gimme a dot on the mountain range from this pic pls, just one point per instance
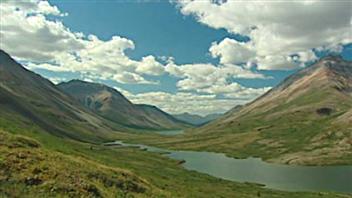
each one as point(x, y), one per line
point(306, 119)
point(30, 100)
point(112, 105)
point(196, 120)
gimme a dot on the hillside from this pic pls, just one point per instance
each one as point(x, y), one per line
point(306, 119)
point(313, 89)
point(112, 105)
point(196, 120)
point(27, 100)
point(45, 173)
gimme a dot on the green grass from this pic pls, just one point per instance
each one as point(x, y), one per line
point(291, 127)
point(38, 164)
point(102, 169)
point(28, 169)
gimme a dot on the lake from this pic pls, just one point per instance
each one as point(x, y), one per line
point(274, 176)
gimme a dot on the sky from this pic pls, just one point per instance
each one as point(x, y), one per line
point(201, 57)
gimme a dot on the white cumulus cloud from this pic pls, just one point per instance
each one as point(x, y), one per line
point(181, 102)
point(275, 28)
point(208, 78)
point(232, 51)
point(28, 35)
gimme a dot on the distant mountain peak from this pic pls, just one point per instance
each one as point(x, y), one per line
point(112, 105)
point(89, 87)
point(330, 63)
point(338, 65)
point(85, 83)
point(302, 120)
point(325, 70)
point(196, 119)
point(332, 58)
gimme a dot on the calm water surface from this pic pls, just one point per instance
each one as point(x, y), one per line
point(275, 176)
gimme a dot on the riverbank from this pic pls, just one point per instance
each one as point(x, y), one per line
point(164, 177)
point(254, 170)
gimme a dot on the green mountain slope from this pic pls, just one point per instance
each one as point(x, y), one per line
point(112, 105)
point(304, 120)
point(326, 85)
point(28, 99)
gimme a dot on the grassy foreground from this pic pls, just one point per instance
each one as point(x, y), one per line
point(36, 164)
point(28, 169)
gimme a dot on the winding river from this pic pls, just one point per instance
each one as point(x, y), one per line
point(274, 176)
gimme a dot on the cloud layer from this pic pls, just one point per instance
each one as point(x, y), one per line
point(277, 29)
point(29, 35)
point(181, 102)
point(207, 78)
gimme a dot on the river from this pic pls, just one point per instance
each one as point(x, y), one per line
point(274, 176)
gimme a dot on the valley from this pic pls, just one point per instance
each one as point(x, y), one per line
point(284, 125)
point(175, 99)
point(44, 131)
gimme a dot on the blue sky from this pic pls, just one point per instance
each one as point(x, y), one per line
point(235, 52)
point(158, 29)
